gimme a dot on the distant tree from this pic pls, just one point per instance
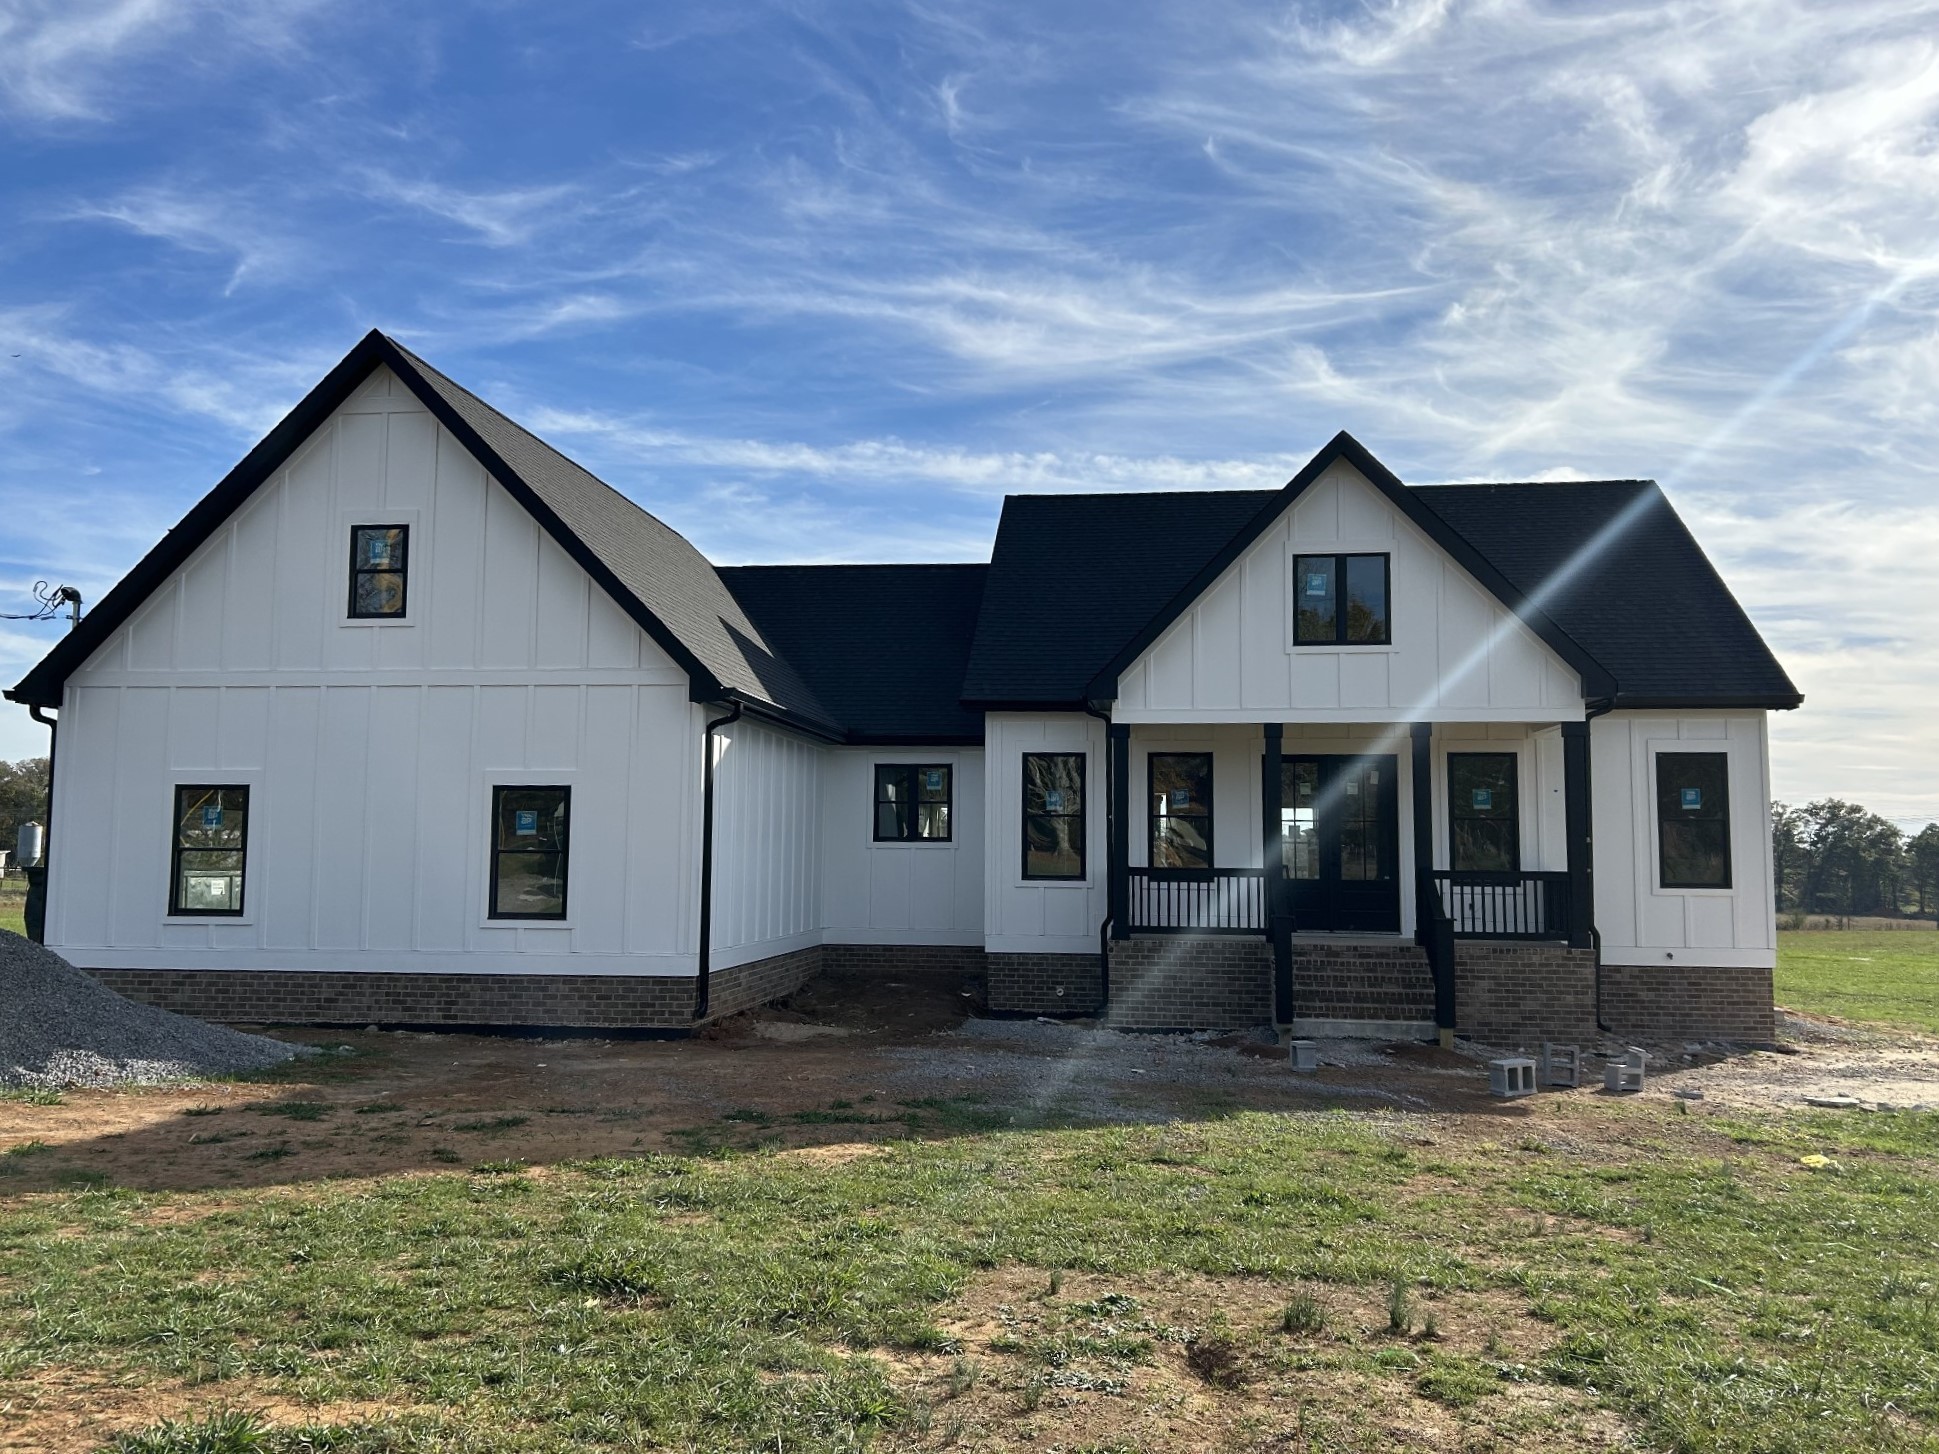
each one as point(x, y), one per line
point(1787, 856)
point(1922, 859)
point(23, 797)
point(1853, 860)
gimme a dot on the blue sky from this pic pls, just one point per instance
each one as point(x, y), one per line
point(823, 282)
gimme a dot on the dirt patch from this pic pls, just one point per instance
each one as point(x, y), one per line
point(73, 1411)
point(1882, 1070)
point(1166, 1363)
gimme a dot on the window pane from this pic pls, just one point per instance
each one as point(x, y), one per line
point(932, 820)
point(1366, 598)
point(1315, 598)
point(1053, 782)
point(209, 881)
point(1053, 846)
point(379, 593)
point(1484, 846)
point(380, 547)
point(532, 819)
point(1180, 843)
point(932, 784)
point(211, 817)
point(891, 821)
point(1181, 782)
point(531, 885)
point(1693, 814)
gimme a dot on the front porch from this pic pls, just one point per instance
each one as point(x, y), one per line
point(1374, 890)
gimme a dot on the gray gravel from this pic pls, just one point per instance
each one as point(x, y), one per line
point(1104, 1074)
point(60, 1028)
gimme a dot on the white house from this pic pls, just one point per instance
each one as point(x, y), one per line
point(412, 720)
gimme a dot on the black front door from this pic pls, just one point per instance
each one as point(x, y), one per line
point(1339, 824)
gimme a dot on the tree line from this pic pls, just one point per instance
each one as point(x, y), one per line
point(1834, 857)
point(1831, 857)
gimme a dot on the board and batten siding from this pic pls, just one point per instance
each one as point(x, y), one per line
point(1024, 916)
point(767, 872)
point(1456, 651)
point(370, 749)
point(1642, 922)
point(900, 893)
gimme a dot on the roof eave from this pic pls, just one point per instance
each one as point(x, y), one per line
point(1754, 701)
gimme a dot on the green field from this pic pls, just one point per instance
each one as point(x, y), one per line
point(1884, 977)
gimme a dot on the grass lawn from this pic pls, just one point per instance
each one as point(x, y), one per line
point(1888, 977)
point(1587, 1274)
point(13, 911)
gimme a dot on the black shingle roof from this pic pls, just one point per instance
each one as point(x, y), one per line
point(1646, 602)
point(884, 646)
point(1075, 578)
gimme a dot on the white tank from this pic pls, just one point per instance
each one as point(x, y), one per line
point(27, 845)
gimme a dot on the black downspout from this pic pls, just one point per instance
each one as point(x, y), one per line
point(1110, 846)
point(705, 957)
point(36, 906)
point(1595, 710)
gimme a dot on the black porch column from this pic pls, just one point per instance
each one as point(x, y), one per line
point(1279, 920)
point(1578, 832)
point(1423, 761)
point(1119, 856)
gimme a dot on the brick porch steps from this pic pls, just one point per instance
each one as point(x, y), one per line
point(1382, 982)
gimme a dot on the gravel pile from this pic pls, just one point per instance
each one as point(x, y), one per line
point(60, 1028)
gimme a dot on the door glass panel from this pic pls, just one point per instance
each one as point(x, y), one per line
point(1363, 844)
point(1299, 828)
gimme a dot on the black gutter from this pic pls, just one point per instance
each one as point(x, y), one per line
point(1110, 842)
point(1593, 710)
point(36, 906)
point(701, 985)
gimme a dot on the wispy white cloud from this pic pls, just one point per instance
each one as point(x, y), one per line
point(498, 217)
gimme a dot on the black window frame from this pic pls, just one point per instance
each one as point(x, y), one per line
point(1082, 817)
point(1457, 814)
point(177, 848)
point(914, 835)
point(403, 574)
point(1339, 561)
point(1153, 817)
point(1721, 818)
point(498, 852)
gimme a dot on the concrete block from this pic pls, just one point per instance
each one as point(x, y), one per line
point(1303, 1055)
point(1561, 1064)
point(1511, 1076)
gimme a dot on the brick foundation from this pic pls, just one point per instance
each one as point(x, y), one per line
point(588, 1001)
point(1387, 982)
point(1688, 1002)
point(1045, 984)
point(1190, 982)
point(1522, 993)
point(963, 959)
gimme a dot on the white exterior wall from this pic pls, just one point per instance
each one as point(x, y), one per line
point(1457, 652)
point(900, 893)
point(1035, 916)
point(767, 870)
point(369, 749)
point(1641, 922)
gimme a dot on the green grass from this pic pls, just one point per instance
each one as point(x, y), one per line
point(1686, 1271)
point(13, 912)
point(1884, 977)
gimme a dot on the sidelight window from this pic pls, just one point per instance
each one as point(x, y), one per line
point(1484, 813)
point(1181, 809)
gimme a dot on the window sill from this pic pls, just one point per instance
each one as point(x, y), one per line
point(912, 843)
point(1344, 648)
point(177, 921)
point(367, 622)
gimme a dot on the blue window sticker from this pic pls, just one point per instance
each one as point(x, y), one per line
point(1181, 799)
point(933, 780)
point(1054, 800)
point(1692, 798)
point(1484, 799)
point(525, 822)
point(1316, 583)
point(212, 816)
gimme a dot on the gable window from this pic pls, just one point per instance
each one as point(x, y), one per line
point(379, 568)
point(1053, 815)
point(1693, 819)
point(1340, 600)
point(211, 849)
point(912, 802)
point(1181, 809)
point(530, 847)
point(1484, 813)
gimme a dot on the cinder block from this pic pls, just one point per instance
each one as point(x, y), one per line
point(1511, 1076)
point(1561, 1064)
